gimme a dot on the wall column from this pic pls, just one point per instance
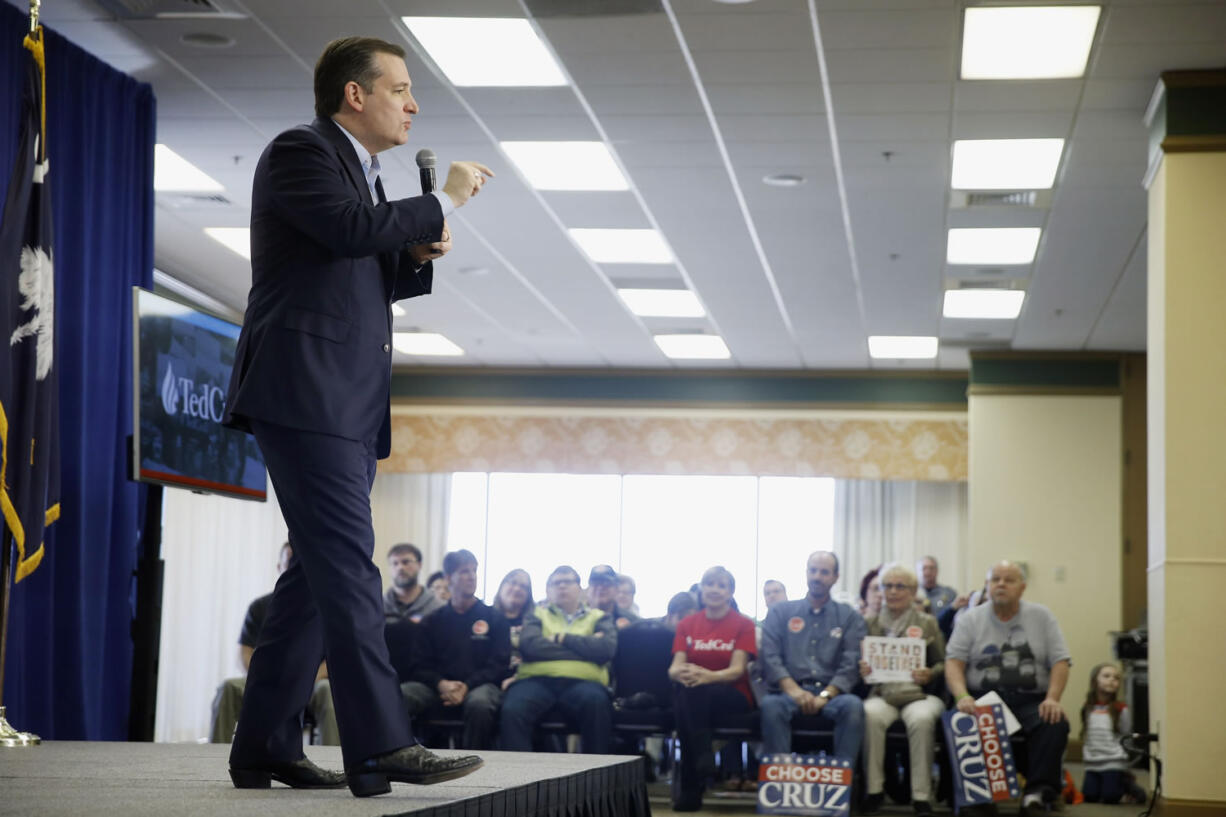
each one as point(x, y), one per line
point(1187, 436)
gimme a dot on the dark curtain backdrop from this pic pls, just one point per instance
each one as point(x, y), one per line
point(68, 667)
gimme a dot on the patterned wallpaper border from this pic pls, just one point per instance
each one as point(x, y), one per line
point(850, 447)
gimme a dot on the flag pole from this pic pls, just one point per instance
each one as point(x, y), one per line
point(10, 737)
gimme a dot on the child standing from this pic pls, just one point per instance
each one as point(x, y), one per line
point(1104, 720)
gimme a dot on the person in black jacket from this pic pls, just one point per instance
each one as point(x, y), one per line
point(464, 655)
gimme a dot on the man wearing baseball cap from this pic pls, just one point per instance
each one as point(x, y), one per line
point(602, 585)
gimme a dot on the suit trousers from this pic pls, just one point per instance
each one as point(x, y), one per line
point(327, 604)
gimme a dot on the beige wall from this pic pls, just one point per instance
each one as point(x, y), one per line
point(1187, 460)
point(1045, 476)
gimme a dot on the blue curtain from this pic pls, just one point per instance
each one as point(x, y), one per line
point(68, 668)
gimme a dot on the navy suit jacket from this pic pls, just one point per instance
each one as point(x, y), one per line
point(314, 353)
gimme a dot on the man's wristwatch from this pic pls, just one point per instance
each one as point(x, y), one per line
point(825, 693)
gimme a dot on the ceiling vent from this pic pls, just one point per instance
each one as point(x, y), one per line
point(170, 9)
point(592, 8)
point(965, 199)
point(193, 201)
point(976, 340)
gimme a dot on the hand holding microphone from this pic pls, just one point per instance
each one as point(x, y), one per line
point(464, 179)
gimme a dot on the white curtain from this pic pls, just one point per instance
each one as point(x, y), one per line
point(897, 521)
point(222, 553)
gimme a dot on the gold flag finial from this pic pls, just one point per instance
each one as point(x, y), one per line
point(35, 5)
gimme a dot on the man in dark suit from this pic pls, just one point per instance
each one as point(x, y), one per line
point(311, 380)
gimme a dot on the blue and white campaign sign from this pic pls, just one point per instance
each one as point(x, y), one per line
point(982, 757)
point(813, 785)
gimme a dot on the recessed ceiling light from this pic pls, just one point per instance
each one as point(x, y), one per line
point(425, 343)
point(1006, 164)
point(616, 246)
point(784, 180)
point(662, 303)
point(992, 245)
point(567, 165)
point(487, 51)
point(1027, 42)
point(896, 347)
point(693, 347)
point(235, 239)
point(173, 173)
point(398, 311)
point(983, 303)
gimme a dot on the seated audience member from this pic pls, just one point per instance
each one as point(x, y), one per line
point(514, 600)
point(602, 595)
point(1104, 720)
point(229, 698)
point(566, 648)
point(465, 655)
point(679, 606)
point(773, 592)
point(437, 584)
point(626, 588)
point(810, 654)
point(912, 700)
point(870, 594)
point(949, 617)
point(939, 596)
point(710, 652)
point(1015, 648)
point(406, 598)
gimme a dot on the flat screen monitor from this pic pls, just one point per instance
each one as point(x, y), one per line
point(182, 369)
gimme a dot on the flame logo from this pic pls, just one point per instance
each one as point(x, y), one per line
point(170, 397)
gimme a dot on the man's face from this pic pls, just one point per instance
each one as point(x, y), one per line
point(1005, 585)
point(563, 590)
point(821, 574)
point(441, 588)
point(388, 109)
point(405, 567)
point(463, 582)
point(602, 594)
point(773, 593)
point(928, 573)
point(625, 596)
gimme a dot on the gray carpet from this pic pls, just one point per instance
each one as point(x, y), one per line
point(147, 779)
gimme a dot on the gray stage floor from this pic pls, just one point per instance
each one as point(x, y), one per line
point(148, 779)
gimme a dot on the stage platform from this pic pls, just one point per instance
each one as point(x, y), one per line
point(157, 779)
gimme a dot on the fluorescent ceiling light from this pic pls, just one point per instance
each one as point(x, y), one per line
point(236, 239)
point(1030, 42)
point(1006, 164)
point(398, 311)
point(662, 303)
point(567, 165)
point(613, 246)
point(487, 51)
point(693, 347)
point(992, 245)
point(983, 303)
point(895, 347)
point(173, 173)
point(425, 343)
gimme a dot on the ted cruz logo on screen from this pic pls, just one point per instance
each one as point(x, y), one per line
point(208, 402)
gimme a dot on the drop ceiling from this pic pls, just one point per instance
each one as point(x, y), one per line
point(699, 101)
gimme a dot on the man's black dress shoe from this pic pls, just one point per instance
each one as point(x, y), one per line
point(298, 774)
point(412, 764)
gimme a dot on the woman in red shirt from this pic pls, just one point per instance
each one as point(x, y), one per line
point(710, 652)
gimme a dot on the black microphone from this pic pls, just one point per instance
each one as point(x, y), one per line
point(425, 164)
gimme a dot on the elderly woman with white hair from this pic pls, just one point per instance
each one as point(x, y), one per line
point(911, 700)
